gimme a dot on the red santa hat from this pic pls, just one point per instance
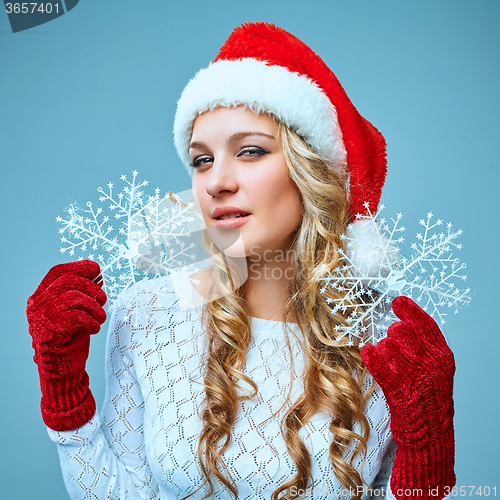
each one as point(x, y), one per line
point(271, 71)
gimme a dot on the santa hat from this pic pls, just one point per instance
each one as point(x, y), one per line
point(269, 70)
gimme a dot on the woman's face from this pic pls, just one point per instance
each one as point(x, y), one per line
point(239, 167)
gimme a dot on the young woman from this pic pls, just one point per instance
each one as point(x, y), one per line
point(251, 394)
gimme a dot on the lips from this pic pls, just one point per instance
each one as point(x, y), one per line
point(231, 216)
point(227, 212)
point(232, 222)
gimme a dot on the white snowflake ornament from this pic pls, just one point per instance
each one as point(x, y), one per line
point(132, 235)
point(373, 272)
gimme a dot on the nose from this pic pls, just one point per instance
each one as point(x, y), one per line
point(221, 178)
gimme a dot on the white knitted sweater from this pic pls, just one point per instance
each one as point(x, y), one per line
point(143, 445)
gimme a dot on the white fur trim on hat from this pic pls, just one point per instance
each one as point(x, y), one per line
point(292, 98)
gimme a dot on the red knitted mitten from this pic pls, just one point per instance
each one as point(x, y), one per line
point(414, 367)
point(64, 311)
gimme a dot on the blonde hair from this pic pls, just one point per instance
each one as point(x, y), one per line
point(335, 372)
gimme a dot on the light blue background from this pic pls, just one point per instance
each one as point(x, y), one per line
point(92, 94)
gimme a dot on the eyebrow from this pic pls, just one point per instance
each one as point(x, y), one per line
point(235, 137)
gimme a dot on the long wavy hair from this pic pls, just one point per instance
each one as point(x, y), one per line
point(333, 380)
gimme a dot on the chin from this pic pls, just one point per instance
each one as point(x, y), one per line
point(229, 242)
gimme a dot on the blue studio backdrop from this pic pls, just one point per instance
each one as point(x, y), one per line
point(91, 95)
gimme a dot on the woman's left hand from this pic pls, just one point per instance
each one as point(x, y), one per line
point(414, 367)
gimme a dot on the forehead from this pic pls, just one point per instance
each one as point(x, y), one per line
point(224, 121)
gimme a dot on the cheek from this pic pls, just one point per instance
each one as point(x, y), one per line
point(293, 204)
point(201, 198)
point(282, 200)
point(293, 208)
point(195, 193)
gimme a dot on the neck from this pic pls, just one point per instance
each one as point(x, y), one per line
point(267, 287)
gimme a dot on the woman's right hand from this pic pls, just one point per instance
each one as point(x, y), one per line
point(66, 308)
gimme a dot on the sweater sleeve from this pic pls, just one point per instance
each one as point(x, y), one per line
point(106, 458)
point(380, 484)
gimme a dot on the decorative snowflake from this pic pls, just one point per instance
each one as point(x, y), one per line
point(366, 292)
point(138, 237)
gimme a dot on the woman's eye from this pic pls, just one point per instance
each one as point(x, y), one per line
point(252, 152)
point(201, 160)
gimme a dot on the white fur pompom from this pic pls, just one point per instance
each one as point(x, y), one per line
point(368, 249)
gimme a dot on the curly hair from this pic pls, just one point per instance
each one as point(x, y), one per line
point(333, 382)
